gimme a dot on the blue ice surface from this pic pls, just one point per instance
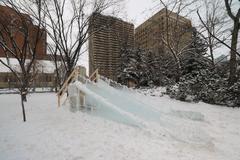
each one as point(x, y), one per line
point(125, 106)
point(124, 100)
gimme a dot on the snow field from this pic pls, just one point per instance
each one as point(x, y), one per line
point(58, 134)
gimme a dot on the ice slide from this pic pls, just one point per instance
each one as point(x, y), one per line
point(124, 105)
point(118, 104)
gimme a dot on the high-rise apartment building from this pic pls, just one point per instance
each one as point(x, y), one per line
point(163, 27)
point(107, 36)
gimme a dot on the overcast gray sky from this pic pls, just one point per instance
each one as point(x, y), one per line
point(139, 10)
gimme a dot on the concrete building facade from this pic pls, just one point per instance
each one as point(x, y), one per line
point(107, 36)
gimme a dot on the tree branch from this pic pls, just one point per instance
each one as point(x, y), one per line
point(215, 36)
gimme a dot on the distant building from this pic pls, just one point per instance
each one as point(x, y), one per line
point(9, 17)
point(107, 36)
point(150, 34)
point(45, 76)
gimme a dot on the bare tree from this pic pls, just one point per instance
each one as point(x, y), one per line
point(177, 31)
point(67, 24)
point(19, 39)
point(215, 20)
point(234, 41)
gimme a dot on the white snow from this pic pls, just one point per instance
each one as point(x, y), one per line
point(43, 65)
point(185, 131)
point(156, 91)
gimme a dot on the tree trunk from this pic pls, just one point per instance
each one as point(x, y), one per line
point(57, 81)
point(233, 56)
point(56, 84)
point(23, 107)
point(24, 97)
point(179, 69)
point(211, 54)
point(24, 94)
point(212, 57)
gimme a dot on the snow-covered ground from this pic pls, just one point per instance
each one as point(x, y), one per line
point(185, 132)
point(15, 90)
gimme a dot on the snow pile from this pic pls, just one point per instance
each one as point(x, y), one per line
point(183, 131)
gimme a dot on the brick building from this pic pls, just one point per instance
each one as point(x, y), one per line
point(108, 36)
point(14, 22)
point(11, 21)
